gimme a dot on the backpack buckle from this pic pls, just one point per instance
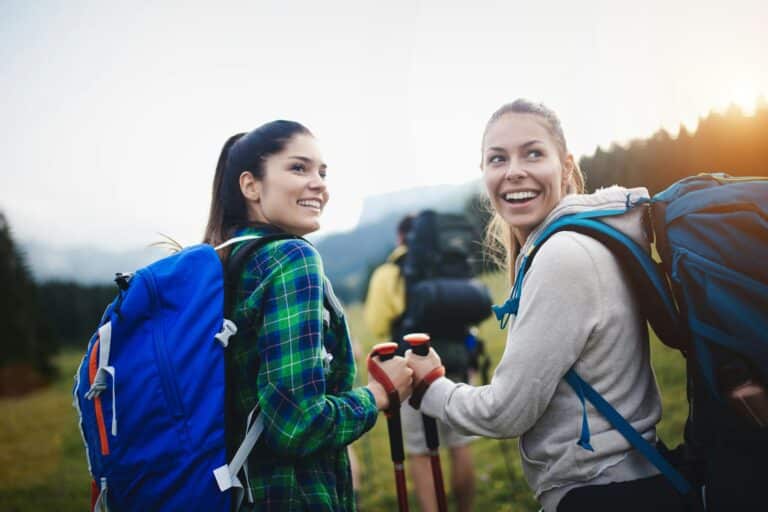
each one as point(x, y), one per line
point(123, 280)
point(228, 329)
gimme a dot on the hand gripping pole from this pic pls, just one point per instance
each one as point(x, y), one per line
point(419, 343)
point(383, 352)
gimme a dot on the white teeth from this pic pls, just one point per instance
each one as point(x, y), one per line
point(312, 203)
point(518, 196)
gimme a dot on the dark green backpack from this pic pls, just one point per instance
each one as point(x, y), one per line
point(443, 298)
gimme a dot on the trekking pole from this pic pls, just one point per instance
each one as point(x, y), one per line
point(419, 343)
point(385, 351)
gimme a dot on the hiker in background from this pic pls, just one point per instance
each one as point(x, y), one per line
point(385, 304)
point(292, 355)
point(577, 310)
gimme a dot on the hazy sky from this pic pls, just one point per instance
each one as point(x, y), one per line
point(113, 113)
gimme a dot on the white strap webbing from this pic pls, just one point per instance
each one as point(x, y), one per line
point(236, 240)
point(226, 476)
point(105, 343)
point(100, 379)
point(101, 501)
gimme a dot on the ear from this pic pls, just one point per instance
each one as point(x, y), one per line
point(250, 187)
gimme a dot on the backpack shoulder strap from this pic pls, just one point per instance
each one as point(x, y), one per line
point(647, 279)
point(227, 475)
point(585, 391)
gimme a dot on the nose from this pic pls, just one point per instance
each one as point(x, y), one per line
point(317, 182)
point(515, 170)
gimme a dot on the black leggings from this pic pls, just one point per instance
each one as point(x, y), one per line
point(653, 494)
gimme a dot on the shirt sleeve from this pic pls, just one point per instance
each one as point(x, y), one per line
point(299, 417)
point(385, 300)
point(560, 307)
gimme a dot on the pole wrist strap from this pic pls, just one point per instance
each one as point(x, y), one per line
point(381, 376)
point(423, 385)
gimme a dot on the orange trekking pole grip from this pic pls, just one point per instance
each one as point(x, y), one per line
point(419, 343)
point(385, 351)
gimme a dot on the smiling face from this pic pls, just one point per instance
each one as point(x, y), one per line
point(292, 192)
point(523, 170)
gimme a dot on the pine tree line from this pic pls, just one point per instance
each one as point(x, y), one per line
point(36, 320)
point(25, 335)
point(730, 142)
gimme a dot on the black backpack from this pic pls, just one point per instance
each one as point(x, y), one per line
point(443, 298)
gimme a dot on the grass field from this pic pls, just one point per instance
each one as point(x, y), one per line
point(43, 468)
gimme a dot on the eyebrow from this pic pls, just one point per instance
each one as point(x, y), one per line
point(523, 146)
point(308, 160)
point(531, 143)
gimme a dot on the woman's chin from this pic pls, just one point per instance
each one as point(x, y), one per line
point(308, 228)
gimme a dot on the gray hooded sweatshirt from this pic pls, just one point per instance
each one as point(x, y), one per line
point(576, 311)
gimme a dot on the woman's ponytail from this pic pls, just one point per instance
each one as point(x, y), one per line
point(215, 231)
point(576, 182)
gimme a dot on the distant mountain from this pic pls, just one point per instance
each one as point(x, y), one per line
point(85, 265)
point(448, 198)
point(349, 257)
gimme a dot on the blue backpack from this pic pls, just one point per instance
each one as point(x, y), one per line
point(151, 389)
point(708, 297)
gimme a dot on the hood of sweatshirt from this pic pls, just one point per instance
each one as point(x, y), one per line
point(607, 199)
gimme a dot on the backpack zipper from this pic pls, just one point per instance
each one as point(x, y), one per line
point(732, 179)
point(164, 368)
point(718, 269)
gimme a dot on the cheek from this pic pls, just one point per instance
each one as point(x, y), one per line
point(274, 201)
point(490, 182)
point(489, 191)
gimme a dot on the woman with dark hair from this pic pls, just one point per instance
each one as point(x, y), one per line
point(292, 355)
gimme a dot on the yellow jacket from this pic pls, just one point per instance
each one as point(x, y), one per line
point(386, 296)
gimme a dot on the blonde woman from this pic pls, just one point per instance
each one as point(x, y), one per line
point(577, 310)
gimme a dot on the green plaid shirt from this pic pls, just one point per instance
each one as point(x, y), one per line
point(293, 356)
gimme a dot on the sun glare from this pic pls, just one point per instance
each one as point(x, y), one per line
point(743, 95)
